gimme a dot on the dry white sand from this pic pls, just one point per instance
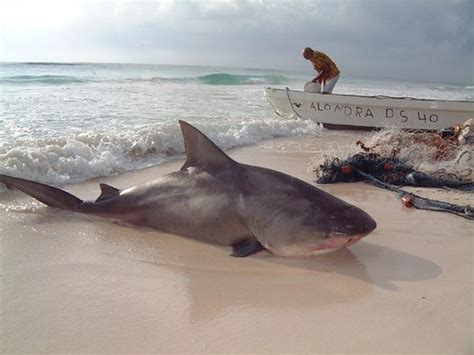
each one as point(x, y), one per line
point(74, 283)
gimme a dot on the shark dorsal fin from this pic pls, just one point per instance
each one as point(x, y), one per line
point(107, 192)
point(201, 151)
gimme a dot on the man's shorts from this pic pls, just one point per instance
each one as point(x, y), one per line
point(330, 84)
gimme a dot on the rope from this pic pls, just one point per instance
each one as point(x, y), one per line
point(422, 202)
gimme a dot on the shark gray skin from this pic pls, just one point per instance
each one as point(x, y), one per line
point(218, 200)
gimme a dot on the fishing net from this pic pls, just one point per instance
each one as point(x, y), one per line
point(394, 159)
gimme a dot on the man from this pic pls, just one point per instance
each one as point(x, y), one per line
point(328, 73)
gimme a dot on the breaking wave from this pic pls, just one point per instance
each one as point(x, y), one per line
point(80, 157)
point(41, 80)
point(211, 79)
point(233, 79)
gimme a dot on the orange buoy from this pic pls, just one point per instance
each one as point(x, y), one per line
point(388, 167)
point(346, 169)
point(407, 201)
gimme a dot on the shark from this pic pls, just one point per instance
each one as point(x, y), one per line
point(218, 200)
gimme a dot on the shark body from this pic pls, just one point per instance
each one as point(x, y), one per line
point(218, 200)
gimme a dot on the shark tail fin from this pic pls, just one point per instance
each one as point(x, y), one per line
point(201, 151)
point(46, 194)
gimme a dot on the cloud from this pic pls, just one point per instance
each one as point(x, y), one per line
point(417, 39)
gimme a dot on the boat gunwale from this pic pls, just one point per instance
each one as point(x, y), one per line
point(383, 99)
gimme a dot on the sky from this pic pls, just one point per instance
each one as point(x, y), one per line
point(426, 40)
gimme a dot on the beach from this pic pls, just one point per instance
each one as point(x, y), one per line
point(75, 283)
point(125, 92)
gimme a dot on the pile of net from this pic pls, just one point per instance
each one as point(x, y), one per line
point(429, 159)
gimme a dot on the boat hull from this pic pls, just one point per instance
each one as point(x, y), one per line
point(351, 111)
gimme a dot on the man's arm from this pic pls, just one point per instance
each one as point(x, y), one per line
point(322, 75)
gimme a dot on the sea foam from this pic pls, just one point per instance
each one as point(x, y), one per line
point(75, 158)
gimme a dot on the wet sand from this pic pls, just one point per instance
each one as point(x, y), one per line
point(74, 283)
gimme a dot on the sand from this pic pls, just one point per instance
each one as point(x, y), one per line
point(75, 283)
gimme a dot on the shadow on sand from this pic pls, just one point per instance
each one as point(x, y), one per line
point(270, 283)
point(368, 262)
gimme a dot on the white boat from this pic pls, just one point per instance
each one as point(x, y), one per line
point(368, 112)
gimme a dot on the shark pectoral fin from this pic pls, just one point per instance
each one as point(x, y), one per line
point(107, 192)
point(246, 247)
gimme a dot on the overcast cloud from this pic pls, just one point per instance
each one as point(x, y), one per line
point(413, 39)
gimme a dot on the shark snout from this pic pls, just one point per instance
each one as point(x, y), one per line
point(352, 223)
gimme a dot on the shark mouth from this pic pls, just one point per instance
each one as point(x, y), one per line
point(334, 243)
point(330, 244)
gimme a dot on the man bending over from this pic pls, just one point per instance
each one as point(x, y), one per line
point(328, 73)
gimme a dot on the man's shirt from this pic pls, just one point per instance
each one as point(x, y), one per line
point(320, 59)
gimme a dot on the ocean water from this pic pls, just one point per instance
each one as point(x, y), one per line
point(62, 123)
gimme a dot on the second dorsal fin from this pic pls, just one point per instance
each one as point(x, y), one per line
point(107, 192)
point(201, 151)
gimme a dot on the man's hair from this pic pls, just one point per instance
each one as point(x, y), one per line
point(307, 51)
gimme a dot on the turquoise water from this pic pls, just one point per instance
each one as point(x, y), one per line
point(62, 122)
point(63, 74)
